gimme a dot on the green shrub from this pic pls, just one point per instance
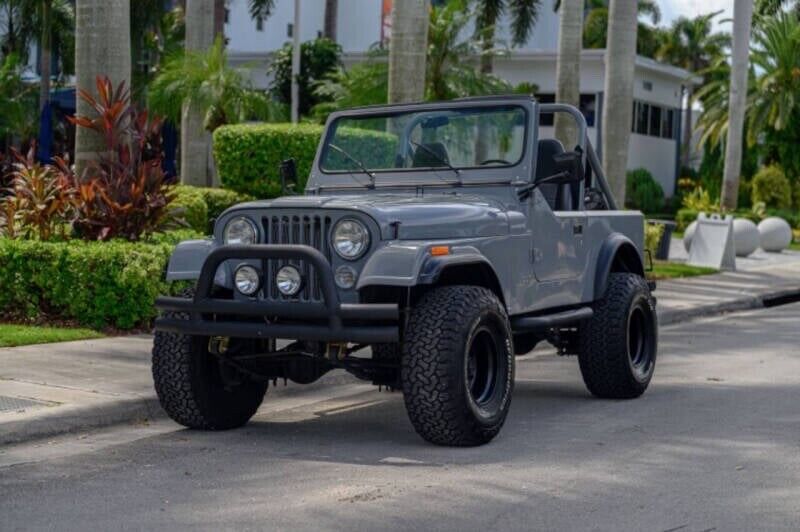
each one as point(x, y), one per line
point(642, 192)
point(190, 204)
point(99, 284)
point(771, 187)
point(202, 205)
point(652, 236)
point(684, 217)
point(248, 155)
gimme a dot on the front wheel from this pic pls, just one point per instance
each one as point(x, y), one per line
point(457, 367)
point(618, 345)
point(193, 388)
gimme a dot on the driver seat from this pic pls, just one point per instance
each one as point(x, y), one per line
point(558, 197)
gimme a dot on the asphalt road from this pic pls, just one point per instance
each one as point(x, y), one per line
point(713, 445)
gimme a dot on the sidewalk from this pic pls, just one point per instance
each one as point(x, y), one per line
point(67, 387)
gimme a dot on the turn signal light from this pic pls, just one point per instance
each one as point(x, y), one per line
point(438, 251)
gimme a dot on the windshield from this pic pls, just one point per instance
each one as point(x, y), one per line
point(449, 139)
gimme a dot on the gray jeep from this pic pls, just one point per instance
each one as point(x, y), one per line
point(448, 237)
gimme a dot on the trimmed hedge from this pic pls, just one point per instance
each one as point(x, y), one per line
point(771, 187)
point(98, 284)
point(202, 205)
point(643, 192)
point(248, 155)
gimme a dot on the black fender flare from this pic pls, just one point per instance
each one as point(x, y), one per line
point(434, 267)
point(618, 251)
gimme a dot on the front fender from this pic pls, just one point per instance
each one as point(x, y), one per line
point(188, 258)
point(410, 264)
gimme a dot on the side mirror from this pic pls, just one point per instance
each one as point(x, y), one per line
point(288, 172)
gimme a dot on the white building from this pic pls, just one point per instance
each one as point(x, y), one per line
point(658, 89)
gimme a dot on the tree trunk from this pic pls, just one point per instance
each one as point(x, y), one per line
point(617, 112)
point(219, 19)
point(45, 51)
point(742, 18)
point(102, 48)
point(568, 68)
point(195, 140)
point(331, 19)
point(408, 50)
point(686, 155)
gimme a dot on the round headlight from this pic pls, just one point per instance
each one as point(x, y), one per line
point(345, 277)
point(247, 280)
point(240, 231)
point(288, 280)
point(350, 239)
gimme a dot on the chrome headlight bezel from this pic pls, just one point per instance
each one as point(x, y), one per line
point(244, 270)
point(291, 274)
point(241, 222)
point(361, 246)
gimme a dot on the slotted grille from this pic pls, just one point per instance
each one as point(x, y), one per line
point(307, 229)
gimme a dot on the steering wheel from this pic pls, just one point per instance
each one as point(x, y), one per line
point(496, 161)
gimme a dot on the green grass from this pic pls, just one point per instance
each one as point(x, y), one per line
point(674, 270)
point(795, 246)
point(16, 335)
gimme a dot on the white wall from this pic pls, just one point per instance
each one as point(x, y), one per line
point(656, 155)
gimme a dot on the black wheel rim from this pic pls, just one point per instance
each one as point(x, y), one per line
point(482, 367)
point(640, 339)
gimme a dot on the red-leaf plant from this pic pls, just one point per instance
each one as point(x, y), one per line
point(122, 194)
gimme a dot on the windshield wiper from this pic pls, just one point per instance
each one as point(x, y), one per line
point(357, 163)
point(436, 156)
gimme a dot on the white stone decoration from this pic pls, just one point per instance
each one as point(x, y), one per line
point(775, 234)
point(688, 235)
point(745, 237)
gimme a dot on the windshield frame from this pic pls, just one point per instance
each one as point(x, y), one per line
point(320, 178)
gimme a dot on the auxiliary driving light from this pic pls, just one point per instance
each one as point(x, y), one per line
point(288, 280)
point(345, 277)
point(247, 280)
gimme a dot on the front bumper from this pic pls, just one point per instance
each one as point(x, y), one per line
point(327, 321)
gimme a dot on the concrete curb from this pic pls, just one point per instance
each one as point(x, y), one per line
point(746, 302)
point(52, 421)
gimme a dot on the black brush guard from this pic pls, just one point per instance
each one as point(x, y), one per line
point(334, 321)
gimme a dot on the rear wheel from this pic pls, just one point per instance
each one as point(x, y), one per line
point(194, 388)
point(457, 368)
point(618, 345)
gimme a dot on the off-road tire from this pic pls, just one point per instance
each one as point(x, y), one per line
point(190, 388)
point(438, 342)
point(618, 345)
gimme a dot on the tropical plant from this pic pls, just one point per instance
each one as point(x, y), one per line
point(362, 84)
point(41, 203)
point(123, 194)
point(524, 14)
point(158, 34)
point(48, 23)
point(595, 25)
point(693, 45)
point(205, 80)
point(17, 101)
point(318, 59)
point(449, 72)
point(261, 9)
point(643, 192)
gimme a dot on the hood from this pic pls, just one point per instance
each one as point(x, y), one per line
point(435, 216)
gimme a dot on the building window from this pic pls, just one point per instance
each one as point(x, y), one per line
point(259, 24)
point(648, 86)
point(227, 15)
point(588, 107)
point(653, 120)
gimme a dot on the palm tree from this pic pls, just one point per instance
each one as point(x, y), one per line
point(595, 26)
point(196, 163)
point(568, 67)
point(407, 51)
point(261, 9)
point(102, 48)
point(692, 45)
point(618, 108)
point(742, 20)
point(524, 14)
point(331, 19)
point(48, 23)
